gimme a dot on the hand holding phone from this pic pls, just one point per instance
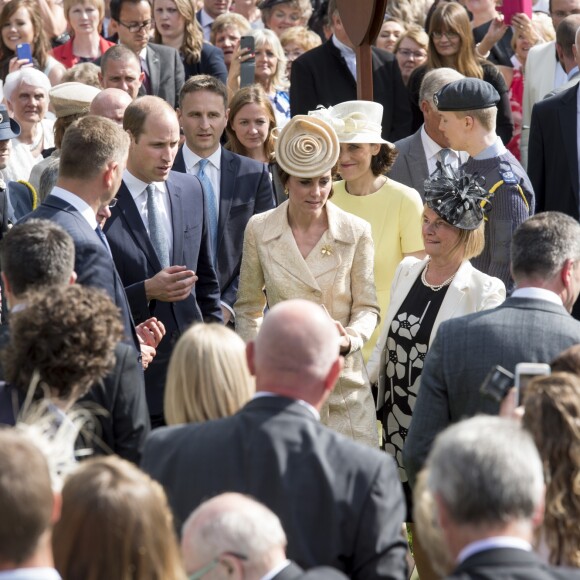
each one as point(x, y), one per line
point(525, 372)
point(247, 66)
point(24, 52)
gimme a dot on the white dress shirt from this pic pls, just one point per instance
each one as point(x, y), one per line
point(212, 169)
point(276, 570)
point(347, 53)
point(138, 191)
point(492, 543)
point(206, 22)
point(311, 408)
point(537, 294)
point(432, 150)
point(79, 204)
point(143, 61)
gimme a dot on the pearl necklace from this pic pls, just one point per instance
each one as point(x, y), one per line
point(437, 287)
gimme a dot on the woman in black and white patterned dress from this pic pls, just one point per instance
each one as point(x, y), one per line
point(425, 293)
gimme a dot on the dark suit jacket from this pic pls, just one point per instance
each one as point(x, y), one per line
point(321, 77)
point(553, 154)
point(245, 190)
point(137, 261)
point(465, 349)
point(410, 166)
point(340, 502)
point(295, 572)
point(509, 564)
point(93, 263)
point(211, 63)
point(166, 73)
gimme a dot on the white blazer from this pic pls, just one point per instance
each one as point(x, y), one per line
point(540, 73)
point(470, 291)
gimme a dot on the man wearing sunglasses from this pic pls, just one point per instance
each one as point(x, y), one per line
point(161, 65)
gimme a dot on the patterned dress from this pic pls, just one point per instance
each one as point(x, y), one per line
point(406, 347)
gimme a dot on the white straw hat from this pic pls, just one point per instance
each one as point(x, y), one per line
point(307, 147)
point(354, 121)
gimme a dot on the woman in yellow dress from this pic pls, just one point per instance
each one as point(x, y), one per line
point(309, 248)
point(393, 209)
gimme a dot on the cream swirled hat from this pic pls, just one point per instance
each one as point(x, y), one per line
point(354, 121)
point(307, 147)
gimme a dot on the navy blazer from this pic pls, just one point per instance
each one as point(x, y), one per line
point(137, 261)
point(553, 153)
point(166, 73)
point(245, 190)
point(211, 62)
point(341, 503)
point(93, 263)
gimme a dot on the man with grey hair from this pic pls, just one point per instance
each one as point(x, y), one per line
point(419, 153)
point(340, 502)
point(240, 538)
point(490, 500)
point(532, 325)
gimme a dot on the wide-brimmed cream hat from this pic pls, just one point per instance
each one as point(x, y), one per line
point(354, 121)
point(72, 98)
point(307, 147)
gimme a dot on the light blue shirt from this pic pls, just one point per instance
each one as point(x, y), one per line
point(492, 543)
point(31, 574)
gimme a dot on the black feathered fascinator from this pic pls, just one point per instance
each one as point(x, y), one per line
point(457, 197)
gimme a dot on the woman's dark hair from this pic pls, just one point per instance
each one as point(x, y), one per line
point(40, 46)
point(67, 335)
point(382, 162)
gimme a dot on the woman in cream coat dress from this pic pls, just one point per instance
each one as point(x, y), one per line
point(309, 248)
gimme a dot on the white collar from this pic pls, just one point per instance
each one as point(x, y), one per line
point(143, 54)
point(191, 159)
point(276, 570)
point(429, 145)
point(205, 18)
point(136, 186)
point(344, 49)
point(79, 204)
point(490, 544)
point(538, 294)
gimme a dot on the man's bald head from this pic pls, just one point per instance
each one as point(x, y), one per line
point(111, 104)
point(296, 352)
point(232, 523)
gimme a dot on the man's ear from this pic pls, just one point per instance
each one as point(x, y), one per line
point(333, 374)
point(5, 284)
point(109, 174)
point(250, 354)
point(73, 278)
point(100, 76)
point(227, 113)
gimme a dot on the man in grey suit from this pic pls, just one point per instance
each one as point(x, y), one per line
point(162, 67)
point(419, 153)
point(533, 325)
point(340, 502)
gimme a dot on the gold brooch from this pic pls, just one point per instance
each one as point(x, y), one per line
point(326, 250)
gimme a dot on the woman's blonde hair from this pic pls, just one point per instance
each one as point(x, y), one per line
point(473, 241)
point(192, 35)
point(208, 376)
point(302, 36)
point(115, 523)
point(266, 36)
point(229, 20)
point(251, 95)
point(552, 415)
point(453, 17)
point(416, 34)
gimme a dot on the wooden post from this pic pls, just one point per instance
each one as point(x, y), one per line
point(362, 21)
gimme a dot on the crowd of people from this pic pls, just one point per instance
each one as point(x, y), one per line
point(253, 327)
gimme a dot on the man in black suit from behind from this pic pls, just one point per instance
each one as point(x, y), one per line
point(341, 503)
point(238, 538)
point(326, 75)
point(35, 256)
point(240, 187)
point(490, 500)
point(164, 74)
